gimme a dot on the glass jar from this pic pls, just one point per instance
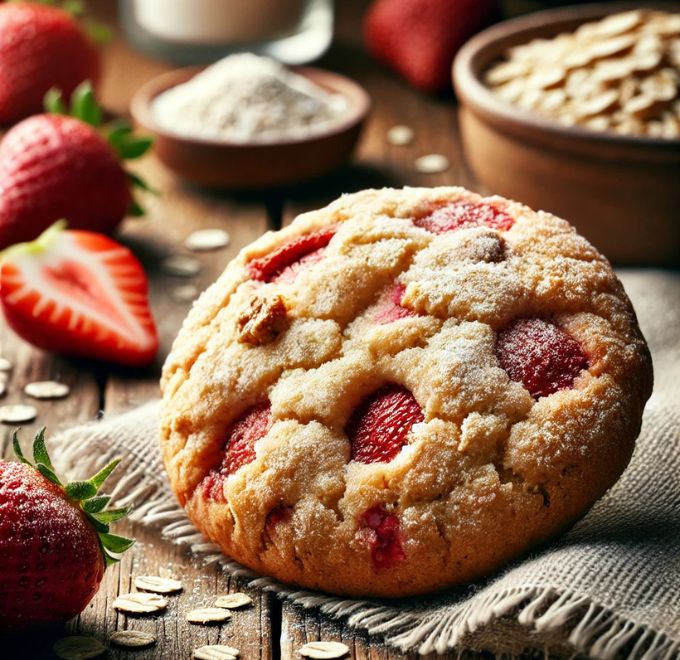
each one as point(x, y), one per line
point(202, 31)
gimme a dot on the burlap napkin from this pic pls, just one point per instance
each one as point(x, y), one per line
point(608, 588)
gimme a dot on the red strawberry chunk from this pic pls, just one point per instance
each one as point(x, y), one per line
point(284, 263)
point(240, 448)
point(379, 427)
point(459, 215)
point(389, 307)
point(540, 355)
point(383, 537)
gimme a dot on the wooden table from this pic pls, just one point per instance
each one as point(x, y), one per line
point(270, 629)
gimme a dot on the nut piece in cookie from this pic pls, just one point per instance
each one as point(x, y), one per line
point(264, 319)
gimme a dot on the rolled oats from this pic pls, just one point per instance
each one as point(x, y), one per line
point(619, 74)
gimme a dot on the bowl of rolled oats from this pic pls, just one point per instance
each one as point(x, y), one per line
point(577, 111)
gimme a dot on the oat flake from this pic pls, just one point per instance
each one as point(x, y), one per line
point(78, 648)
point(208, 615)
point(17, 414)
point(47, 389)
point(324, 650)
point(207, 239)
point(157, 584)
point(400, 136)
point(132, 639)
point(186, 293)
point(5, 364)
point(233, 601)
point(180, 265)
point(3, 387)
point(140, 603)
point(432, 164)
point(216, 652)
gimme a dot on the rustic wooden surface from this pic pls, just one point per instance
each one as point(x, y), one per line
point(269, 629)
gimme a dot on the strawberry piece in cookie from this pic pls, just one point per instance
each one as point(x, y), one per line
point(240, 448)
point(540, 355)
point(460, 215)
point(389, 308)
point(379, 427)
point(381, 531)
point(287, 261)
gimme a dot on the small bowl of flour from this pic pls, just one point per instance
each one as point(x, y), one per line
point(250, 122)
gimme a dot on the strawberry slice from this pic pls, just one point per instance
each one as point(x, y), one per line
point(380, 425)
point(540, 355)
point(389, 308)
point(284, 263)
point(240, 448)
point(80, 294)
point(459, 215)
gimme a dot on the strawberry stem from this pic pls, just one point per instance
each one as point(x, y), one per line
point(83, 494)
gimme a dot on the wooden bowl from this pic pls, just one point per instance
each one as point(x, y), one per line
point(224, 164)
point(621, 192)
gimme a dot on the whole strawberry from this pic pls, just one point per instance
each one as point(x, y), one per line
point(54, 166)
point(40, 47)
point(54, 540)
point(420, 38)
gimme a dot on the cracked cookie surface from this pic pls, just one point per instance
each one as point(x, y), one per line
point(402, 391)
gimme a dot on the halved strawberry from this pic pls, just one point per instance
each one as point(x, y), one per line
point(80, 294)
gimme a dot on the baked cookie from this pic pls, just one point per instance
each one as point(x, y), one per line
point(402, 391)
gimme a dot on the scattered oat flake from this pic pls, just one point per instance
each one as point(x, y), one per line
point(17, 414)
point(3, 387)
point(207, 239)
point(140, 603)
point(216, 652)
point(233, 601)
point(185, 293)
point(208, 615)
point(400, 135)
point(132, 639)
point(5, 364)
point(327, 650)
point(78, 648)
point(47, 389)
point(181, 265)
point(432, 164)
point(158, 584)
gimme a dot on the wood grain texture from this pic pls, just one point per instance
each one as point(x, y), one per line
point(268, 629)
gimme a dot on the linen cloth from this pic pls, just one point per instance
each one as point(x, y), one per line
point(608, 588)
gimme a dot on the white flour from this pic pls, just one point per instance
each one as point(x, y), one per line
point(246, 98)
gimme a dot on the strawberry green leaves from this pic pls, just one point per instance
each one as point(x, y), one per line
point(125, 143)
point(83, 494)
point(119, 133)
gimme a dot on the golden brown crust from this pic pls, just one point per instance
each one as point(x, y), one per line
point(490, 472)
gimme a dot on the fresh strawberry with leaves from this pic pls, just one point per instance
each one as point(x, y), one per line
point(41, 47)
point(55, 542)
point(79, 293)
point(55, 166)
point(420, 38)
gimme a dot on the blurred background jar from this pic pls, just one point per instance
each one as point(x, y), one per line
point(202, 31)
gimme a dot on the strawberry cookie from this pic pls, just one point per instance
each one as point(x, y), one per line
point(403, 391)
